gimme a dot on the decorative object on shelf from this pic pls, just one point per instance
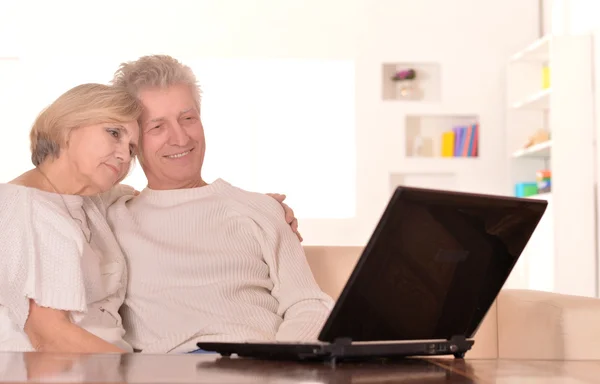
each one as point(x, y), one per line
point(462, 141)
point(546, 77)
point(422, 146)
point(411, 81)
point(540, 136)
point(526, 189)
point(407, 74)
point(544, 181)
point(418, 146)
point(407, 83)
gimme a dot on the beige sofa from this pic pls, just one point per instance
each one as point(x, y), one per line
point(521, 325)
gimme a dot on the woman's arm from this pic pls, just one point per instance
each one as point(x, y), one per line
point(51, 330)
point(41, 274)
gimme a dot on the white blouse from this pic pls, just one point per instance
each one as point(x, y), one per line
point(46, 257)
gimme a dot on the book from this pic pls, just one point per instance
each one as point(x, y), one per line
point(448, 144)
point(465, 141)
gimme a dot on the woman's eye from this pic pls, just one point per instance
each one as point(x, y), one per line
point(114, 133)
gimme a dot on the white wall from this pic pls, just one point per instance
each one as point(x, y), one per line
point(547, 13)
point(471, 39)
point(576, 16)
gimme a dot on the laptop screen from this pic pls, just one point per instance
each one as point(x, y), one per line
point(433, 266)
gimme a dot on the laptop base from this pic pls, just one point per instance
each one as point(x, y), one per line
point(341, 349)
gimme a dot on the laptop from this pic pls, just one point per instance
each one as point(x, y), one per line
point(428, 275)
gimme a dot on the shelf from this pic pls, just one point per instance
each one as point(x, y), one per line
point(538, 51)
point(539, 100)
point(541, 150)
point(541, 196)
point(424, 134)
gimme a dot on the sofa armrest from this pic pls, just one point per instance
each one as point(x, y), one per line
point(542, 325)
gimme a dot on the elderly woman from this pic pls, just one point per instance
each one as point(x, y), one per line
point(62, 273)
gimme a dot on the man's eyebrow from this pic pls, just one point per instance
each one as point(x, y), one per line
point(155, 120)
point(158, 119)
point(185, 111)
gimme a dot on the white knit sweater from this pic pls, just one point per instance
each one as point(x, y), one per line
point(45, 257)
point(213, 263)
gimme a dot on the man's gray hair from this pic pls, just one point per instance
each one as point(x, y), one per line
point(156, 71)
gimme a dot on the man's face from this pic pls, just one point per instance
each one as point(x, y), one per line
point(172, 144)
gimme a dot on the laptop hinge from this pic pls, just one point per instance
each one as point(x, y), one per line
point(459, 345)
point(337, 348)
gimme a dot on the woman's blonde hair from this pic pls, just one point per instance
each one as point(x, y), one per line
point(81, 106)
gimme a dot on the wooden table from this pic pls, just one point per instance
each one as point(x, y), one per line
point(39, 367)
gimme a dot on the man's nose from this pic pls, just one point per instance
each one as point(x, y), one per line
point(178, 135)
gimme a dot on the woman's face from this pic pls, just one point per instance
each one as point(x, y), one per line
point(100, 154)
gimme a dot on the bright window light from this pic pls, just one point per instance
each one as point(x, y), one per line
point(272, 125)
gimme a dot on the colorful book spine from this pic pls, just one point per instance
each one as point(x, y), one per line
point(476, 140)
point(464, 141)
point(456, 131)
point(468, 141)
point(461, 145)
point(448, 144)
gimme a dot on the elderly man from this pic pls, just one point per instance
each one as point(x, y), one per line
point(206, 261)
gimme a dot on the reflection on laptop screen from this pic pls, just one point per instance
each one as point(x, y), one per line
point(433, 267)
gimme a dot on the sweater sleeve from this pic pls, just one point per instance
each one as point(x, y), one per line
point(41, 257)
point(302, 304)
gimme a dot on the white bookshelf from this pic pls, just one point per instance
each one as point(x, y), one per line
point(527, 112)
point(562, 254)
